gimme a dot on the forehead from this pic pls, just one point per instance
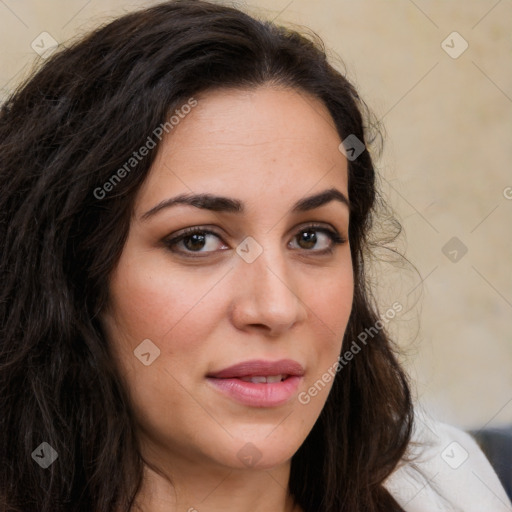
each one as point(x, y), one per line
point(266, 143)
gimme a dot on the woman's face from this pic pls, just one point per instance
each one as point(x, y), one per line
point(259, 281)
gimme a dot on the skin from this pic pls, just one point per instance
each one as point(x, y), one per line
point(268, 148)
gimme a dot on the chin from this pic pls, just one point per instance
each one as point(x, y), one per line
point(261, 454)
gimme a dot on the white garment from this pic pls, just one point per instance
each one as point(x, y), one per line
point(449, 473)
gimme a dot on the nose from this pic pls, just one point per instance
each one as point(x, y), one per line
point(267, 296)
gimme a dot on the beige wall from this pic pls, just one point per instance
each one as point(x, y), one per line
point(446, 168)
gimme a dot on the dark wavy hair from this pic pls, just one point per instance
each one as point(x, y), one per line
point(64, 132)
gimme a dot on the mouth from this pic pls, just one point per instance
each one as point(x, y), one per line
point(261, 379)
point(259, 368)
point(259, 383)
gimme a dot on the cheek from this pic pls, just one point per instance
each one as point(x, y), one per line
point(149, 300)
point(330, 307)
point(177, 311)
point(177, 315)
point(330, 300)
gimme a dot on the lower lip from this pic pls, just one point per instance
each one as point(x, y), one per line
point(258, 394)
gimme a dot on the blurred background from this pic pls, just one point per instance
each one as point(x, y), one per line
point(438, 75)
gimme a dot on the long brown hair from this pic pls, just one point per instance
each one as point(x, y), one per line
point(63, 134)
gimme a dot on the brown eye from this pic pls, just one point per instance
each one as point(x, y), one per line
point(317, 239)
point(307, 239)
point(196, 240)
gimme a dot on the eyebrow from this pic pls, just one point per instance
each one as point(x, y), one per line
point(229, 205)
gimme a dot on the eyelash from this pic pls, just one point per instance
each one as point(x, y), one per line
point(335, 237)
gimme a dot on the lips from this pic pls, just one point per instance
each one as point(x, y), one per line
point(259, 368)
point(259, 383)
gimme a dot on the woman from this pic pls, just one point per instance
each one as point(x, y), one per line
point(185, 319)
